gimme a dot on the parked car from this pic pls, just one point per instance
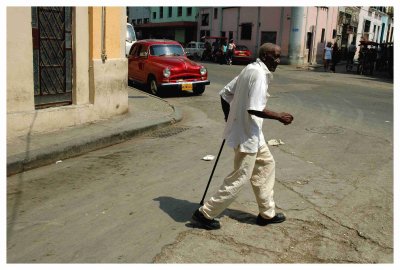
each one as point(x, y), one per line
point(194, 49)
point(241, 55)
point(162, 65)
point(130, 38)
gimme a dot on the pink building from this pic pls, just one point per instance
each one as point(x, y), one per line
point(302, 32)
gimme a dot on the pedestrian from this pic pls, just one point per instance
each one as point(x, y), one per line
point(222, 58)
point(327, 56)
point(350, 56)
point(231, 48)
point(246, 96)
point(335, 57)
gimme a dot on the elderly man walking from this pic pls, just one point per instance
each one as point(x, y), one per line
point(247, 96)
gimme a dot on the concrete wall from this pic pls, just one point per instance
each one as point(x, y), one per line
point(99, 90)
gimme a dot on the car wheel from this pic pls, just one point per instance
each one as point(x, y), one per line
point(152, 86)
point(199, 90)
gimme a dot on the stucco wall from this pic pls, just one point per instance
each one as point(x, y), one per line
point(19, 60)
point(230, 22)
point(113, 31)
point(99, 96)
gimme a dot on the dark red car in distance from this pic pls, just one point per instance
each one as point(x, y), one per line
point(162, 64)
point(242, 55)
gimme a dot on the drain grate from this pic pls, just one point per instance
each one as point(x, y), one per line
point(326, 130)
point(167, 132)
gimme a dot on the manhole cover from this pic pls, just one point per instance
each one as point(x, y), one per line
point(326, 130)
point(167, 132)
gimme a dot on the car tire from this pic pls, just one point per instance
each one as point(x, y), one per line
point(152, 86)
point(199, 90)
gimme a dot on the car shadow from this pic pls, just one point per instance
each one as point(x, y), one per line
point(181, 211)
point(163, 93)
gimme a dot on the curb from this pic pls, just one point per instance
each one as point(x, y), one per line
point(26, 161)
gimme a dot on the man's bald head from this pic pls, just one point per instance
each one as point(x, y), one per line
point(267, 48)
point(269, 54)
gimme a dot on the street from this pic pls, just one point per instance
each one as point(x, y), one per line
point(132, 202)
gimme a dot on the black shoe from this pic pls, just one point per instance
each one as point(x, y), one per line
point(209, 224)
point(278, 218)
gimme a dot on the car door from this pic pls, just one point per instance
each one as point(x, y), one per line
point(133, 60)
point(136, 63)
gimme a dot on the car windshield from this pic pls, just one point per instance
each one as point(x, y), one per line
point(241, 48)
point(166, 50)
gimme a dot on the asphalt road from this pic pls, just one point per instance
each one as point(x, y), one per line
point(132, 202)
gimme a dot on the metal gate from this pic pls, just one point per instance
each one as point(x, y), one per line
point(52, 56)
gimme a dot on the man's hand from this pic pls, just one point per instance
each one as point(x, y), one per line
point(285, 118)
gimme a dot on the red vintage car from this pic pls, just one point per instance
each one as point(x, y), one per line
point(162, 64)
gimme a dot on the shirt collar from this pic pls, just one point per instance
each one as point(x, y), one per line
point(264, 67)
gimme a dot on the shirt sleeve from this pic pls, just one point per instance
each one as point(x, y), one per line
point(229, 90)
point(258, 87)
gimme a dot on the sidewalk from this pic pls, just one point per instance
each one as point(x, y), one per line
point(146, 112)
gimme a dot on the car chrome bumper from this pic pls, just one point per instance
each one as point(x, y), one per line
point(207, 82)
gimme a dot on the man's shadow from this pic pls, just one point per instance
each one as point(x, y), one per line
point(181, 211)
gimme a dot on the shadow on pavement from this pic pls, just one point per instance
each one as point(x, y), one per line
point(240, 216)
point(179, 210)
point(382, 76)
point(182, 210)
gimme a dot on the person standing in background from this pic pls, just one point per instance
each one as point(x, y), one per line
point(327, 56)
point(335, 57)
point(231, 48)
point(351, 51)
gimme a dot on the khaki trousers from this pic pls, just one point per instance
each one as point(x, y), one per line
point(259, 168)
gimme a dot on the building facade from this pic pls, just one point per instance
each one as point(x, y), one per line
point(138, 15)
point(65, 66)
point(347, 27)
point(375, 24)
point(176, 23)
point(301, 32)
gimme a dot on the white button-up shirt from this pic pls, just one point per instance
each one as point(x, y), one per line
point(247, 91)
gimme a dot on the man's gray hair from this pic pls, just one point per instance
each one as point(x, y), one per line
point(265, 48)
